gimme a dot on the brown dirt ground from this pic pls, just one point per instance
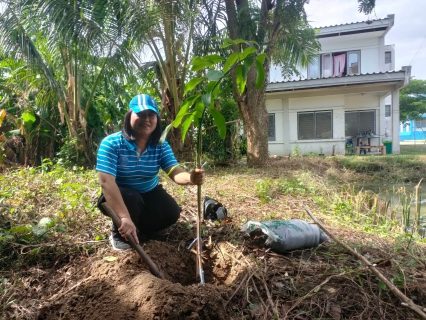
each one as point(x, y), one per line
point(244, 280)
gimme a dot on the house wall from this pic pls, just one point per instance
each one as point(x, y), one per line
point(389, 66)
point(287, 108)
point(281, 144)
point(371, 45)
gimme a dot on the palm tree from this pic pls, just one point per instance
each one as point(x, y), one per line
point(167, 37)
point(70, 47)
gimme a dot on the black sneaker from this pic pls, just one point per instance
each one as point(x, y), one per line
point(118, 242)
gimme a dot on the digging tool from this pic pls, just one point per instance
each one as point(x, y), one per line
point(151, 265)
point(200, 270)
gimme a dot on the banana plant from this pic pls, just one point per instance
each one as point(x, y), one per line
point(197, 104)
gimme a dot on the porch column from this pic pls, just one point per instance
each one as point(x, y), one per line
point(395, 121)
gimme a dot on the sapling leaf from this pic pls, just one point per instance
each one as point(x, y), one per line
point(248, 62)
point(213, 88)
point(214, 58)
point(248, 51)
point(261, 57)
point(241, 79)
point(197, 122)
point(232, 59)
point(185, 126)
point(219, 121)
point(230, 42)
point(260, 76)
point(199, 109)
point(207, 99)
point(184, 110)
point(214, 75)
point(164, 134)
point(200, 63)
point(192, 84)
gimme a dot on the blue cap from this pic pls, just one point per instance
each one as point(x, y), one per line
point(143, 102)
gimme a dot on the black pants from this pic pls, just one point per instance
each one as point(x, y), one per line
point(151, 211)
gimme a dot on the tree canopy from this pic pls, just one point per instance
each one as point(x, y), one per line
point(412, 100)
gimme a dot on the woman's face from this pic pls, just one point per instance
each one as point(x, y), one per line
point(143, 123)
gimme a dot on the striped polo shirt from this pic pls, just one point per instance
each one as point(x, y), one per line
point(123, 160)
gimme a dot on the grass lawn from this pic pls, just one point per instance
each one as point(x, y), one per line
point(414, 149)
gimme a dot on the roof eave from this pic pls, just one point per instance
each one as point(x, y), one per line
point(358, 27)
point(401, 77)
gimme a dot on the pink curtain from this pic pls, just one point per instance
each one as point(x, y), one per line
point(339, 65)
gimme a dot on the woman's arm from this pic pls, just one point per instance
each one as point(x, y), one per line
point(115, 200)
point(182, 177)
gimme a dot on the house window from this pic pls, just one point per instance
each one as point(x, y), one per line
point(360, 122)
point(271, 126)
point(387, 110)
point(327, 65)
point(388, 57)
point(353, 62)
point(315, 125)
point(314, 68)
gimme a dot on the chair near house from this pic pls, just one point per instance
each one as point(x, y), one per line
point(349, 147)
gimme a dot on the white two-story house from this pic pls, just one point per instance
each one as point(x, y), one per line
point(349, 91)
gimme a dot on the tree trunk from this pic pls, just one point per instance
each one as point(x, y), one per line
point(255, 118)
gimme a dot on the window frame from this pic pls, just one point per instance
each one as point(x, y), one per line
point(274, 137)
point(330, 54)
point(318, 67)
point(388, 110)
point(358, 52)
point(315, 124)
point(388, 53)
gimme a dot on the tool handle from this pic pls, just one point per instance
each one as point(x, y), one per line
point(151, 265)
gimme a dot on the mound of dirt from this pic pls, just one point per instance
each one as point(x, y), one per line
point(125, 289)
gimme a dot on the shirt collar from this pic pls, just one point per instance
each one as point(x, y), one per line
point(131, 145)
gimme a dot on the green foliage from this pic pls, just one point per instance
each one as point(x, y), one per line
point(264, 189)
point(412, 100)
point(195, 107)
point(293, 186)
point(366, 6)
point(68, 155)
point(220, 150)
point(392, 168)
point(296, 151)
point(268, 189)
point(46, 204)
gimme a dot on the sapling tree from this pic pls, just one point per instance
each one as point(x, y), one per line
point(200, 100)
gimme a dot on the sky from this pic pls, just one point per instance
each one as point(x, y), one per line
point(408, 33)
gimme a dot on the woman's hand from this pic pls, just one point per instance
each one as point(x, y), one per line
point(128, 228)
point(197, 176)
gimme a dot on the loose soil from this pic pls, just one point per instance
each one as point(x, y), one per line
point(244, 279)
